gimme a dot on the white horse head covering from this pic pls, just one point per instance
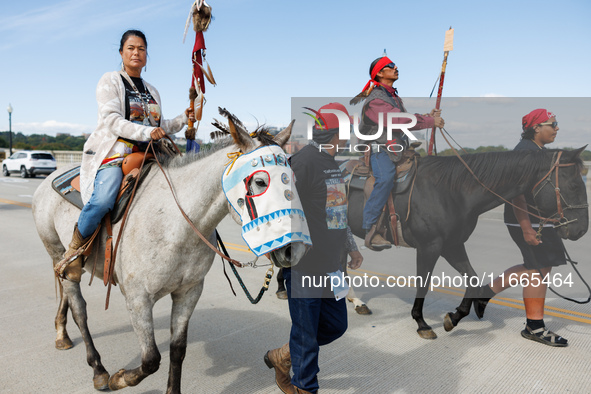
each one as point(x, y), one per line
point(273, 218)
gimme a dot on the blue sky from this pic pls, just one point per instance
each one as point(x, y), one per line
point(264, 52)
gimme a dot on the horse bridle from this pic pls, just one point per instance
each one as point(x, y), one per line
point(547, 179)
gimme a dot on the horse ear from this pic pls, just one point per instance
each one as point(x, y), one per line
point(241, 137)
point(579, 151)
point(574, 154)
point(283, 136)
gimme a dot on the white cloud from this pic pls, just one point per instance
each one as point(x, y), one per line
point(70, 18)
point(52, 127)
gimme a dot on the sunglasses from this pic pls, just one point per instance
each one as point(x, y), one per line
point(391, 65)
point(553, 124)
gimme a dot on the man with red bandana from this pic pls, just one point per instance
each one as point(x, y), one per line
point(381, 100)
point(539, 254)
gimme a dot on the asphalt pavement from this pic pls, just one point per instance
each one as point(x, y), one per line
point(380, 353)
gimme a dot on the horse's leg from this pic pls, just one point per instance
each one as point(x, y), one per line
point(142, 320)
point(183, 305)
point(281, 292)
point(77, 304)
point(426, 259)
point(458, 258)
point(62, 340)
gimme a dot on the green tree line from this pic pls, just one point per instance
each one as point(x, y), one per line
point(42, 141)
point(76, 143)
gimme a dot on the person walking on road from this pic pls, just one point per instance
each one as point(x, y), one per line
point(318, 313)
point(541, 248)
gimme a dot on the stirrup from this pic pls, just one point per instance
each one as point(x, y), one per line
point(60, 267)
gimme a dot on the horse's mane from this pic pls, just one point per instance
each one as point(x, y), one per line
point(222, 139)
point(494, 169)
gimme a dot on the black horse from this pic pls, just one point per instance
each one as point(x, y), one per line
point(447, 200)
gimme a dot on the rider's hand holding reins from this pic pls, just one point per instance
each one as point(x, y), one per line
point(157, 133)
point(436, 115)
point(439, 122)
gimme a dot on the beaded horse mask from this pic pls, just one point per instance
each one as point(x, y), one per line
point(271, 213)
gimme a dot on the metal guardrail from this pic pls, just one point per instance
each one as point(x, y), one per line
point(64, 157)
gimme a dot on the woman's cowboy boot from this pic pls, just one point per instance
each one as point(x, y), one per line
point(374, 240)
point(280, 359)
point(70, 267)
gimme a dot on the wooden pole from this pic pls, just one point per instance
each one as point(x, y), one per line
point(447, 46)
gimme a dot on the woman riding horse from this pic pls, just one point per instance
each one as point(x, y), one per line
point(128, 112)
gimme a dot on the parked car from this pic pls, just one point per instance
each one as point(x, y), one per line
point(29, 163)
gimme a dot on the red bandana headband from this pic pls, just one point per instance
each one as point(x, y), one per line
point(535, 117)
point(376, 69)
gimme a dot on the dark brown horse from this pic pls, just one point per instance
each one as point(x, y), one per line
point(447, 200)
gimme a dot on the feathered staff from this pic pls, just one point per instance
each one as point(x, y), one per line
point(448, 45)
point(201, 15)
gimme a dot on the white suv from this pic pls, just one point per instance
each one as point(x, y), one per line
point(29, 163)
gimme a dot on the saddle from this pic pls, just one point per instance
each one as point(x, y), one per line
point(358, 176)
point(68, 184)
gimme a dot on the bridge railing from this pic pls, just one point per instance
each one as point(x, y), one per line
point(64, 157)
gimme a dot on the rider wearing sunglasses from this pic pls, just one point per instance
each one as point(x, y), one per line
point(381, 98)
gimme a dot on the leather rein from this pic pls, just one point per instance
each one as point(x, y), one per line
point(562, 220)
point(547, 179)
point(555, 166)
point(109, 281)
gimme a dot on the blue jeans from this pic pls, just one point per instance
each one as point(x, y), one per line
point(106, 188)
point(384, 170)
point(314, 322)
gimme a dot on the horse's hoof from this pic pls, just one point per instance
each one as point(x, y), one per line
point(363, 310)
point(117, 381)
point(479, 306)
point(101, 381)
point(427, 333)
point(63, 344)
point(448, 324)
point(282, 295)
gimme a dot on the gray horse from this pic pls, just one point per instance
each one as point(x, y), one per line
point(159, 253)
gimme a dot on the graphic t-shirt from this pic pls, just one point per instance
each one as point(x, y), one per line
point(134, 108)
point(322, 191)
point(134, 112)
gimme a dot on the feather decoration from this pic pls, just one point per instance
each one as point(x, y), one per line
point(361, 96)
point(226, 114)
point(193, 10)
point(222, 128)
point(200, 101)
point(208, 74)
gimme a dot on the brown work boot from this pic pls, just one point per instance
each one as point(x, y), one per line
point(281, 361)
point(374, 241)
point(70, 267)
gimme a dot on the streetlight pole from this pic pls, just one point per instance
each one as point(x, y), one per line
point(9, 109)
